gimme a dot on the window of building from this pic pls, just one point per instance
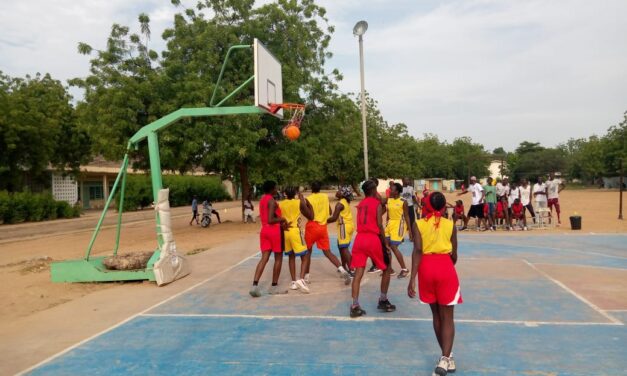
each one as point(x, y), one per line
point(95, 192)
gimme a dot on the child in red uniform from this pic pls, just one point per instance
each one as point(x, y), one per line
point(460, 213)
point(433, 261)
point(500, 212)
point(369, 243)
point(518, 213)
point(270, 239)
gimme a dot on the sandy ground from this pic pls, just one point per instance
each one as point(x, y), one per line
point(26, 250)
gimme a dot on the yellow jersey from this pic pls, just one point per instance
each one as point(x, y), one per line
point(395, 209)
point(436, 240)
point(290, 210)
point(346, 215)
point(320, 204)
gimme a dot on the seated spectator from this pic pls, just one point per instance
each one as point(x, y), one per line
point(518, 214)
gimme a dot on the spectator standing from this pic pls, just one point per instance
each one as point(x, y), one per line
point(409, 197)
point(249, 210)
point(476, 209)
point(525, 198)
point(389, 189)
point(554, 187)
point(540, 193)
point(194, 211)
point(490, 199)
point(502, 195)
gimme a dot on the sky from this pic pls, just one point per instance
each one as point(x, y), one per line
point(498, 71)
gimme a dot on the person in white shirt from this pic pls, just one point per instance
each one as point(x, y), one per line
point(249, 210)
point(525, 198)
point(476, 209)
point(554, 187)
point(409, 197)
point(539, 193)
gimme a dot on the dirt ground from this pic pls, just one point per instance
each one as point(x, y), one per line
point(26, 252)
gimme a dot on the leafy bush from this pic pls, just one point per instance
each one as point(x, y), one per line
point(182, 188)
point(25, 206)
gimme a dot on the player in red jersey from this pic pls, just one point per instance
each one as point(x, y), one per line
point(370, 243)
point(270, 239)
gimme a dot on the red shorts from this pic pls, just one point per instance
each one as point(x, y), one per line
point(554, 202)
point(367, 245)
point(437, 280)
point(271, 239)
point(317, 234)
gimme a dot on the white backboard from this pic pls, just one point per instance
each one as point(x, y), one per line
point(268, 78)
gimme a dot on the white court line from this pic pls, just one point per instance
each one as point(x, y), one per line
point(581, 266)
point(584, 300)
point(62, 352)
point(371, 319)
point(551, 248)
point(616, 310)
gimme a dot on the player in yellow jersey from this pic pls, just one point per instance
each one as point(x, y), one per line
point(398, 218)
point(345, 225)
point(294, 242)
point(317, 212)
point(433, 262)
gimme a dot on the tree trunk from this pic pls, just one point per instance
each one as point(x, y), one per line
point(243, 178)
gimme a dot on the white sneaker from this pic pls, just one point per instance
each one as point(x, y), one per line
point(525, 228)
point(302, 286)
point(293, 286)
point(451, 364)
point(307, 279)
point(442, 368)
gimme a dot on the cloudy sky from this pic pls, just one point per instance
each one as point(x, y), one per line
point(499, 71)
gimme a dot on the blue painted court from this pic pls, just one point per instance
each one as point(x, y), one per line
point(533, 305)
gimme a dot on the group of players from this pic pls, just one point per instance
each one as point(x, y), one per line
point(434, 255)
point(507, 203)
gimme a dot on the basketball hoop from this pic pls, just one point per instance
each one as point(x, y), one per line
point(292, 129)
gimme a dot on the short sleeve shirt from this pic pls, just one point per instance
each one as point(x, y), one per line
point(553, 186)
point(475, 190)
point(490, 194)
point(408, 194)
point(539, 188)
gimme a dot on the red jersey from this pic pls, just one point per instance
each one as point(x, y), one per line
point(367, 215)
point(459, 209)
point(517, 209)
point(486, 210)
point(263, 210)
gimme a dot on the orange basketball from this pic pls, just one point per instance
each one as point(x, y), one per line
point(291, 131)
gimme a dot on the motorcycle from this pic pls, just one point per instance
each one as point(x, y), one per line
point(206, 217)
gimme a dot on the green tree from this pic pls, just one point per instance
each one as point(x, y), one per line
point(37, 129)
point(469, 159)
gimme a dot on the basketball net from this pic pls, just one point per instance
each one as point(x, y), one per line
point(297, 110)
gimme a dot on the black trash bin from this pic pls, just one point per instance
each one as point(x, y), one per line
point(575, 222)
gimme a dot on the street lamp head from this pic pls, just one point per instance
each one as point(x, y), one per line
point(360, 28)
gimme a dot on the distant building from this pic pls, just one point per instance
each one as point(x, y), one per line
point(94, 182)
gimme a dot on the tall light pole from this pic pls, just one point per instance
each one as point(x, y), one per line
point(359, 30)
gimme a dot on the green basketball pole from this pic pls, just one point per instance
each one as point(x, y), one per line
point(91, 269)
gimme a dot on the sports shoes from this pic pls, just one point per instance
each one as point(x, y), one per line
point(276, 290)
point(347, 278)
point(302, 286)
point(525, 228)
point(386, 306)
point(293, 286)
point(307, 279)
point(404, 273)
point(451, 364)
point(255, 292)
point(356, 311)
point(374, 269)
point(392, 271)
point(351, 273)
point(442, 368)
point(464, 228)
